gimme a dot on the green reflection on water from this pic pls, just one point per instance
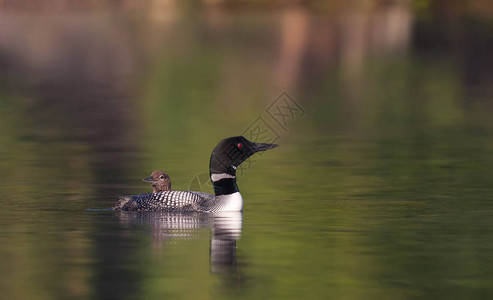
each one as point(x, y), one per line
point(381, 190)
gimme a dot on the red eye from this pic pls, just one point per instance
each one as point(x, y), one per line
point(239, 145)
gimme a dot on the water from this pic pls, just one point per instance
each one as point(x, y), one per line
point(381, 187)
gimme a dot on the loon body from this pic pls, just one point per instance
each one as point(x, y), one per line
point(225, 158)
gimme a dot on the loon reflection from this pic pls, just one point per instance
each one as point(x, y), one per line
point(166, 226)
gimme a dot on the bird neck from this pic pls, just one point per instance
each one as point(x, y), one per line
point(224, 184)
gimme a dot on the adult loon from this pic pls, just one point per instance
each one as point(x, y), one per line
point(225, 158)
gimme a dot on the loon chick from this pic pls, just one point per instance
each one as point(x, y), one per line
point(225, 158)
point(159, 180)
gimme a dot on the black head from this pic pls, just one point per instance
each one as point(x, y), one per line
point(159, 180)
point(231, 152)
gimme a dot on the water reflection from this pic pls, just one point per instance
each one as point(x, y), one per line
point(395, 150)
point(225, 228)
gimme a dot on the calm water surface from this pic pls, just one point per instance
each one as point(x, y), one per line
point(381, 187)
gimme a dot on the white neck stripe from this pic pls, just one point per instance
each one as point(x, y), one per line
point(217, 177)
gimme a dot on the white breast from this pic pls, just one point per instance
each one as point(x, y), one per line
point(232, 202)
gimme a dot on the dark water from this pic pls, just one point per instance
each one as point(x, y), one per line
point(381, 187)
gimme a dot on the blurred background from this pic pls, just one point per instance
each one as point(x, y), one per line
point(381, 186)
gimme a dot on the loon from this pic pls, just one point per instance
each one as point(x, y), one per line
point(160, 181)
point(225, 159)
